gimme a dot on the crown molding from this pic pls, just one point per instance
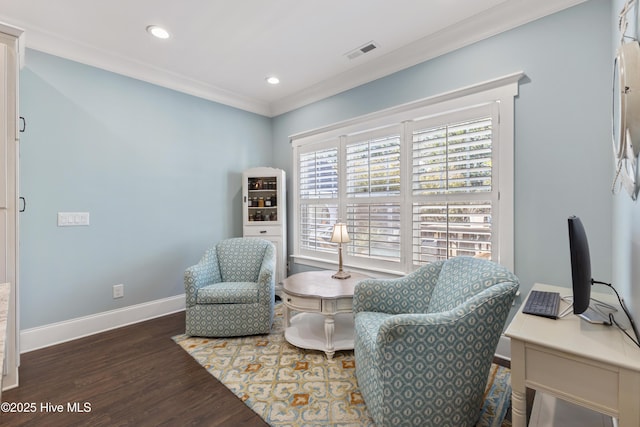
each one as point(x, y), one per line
point(77, 51)
point(503, 17)
point(499, 19)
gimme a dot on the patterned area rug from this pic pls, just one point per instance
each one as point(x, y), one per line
point(288, 386)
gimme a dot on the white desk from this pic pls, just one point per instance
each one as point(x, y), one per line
point(594, 366)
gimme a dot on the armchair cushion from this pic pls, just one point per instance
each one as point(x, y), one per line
point(228, 293)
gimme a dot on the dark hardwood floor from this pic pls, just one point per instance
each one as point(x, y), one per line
point(132, 376)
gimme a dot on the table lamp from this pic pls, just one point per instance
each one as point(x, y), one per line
point(340, 236)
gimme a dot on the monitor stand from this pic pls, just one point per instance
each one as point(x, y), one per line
point(597, 312)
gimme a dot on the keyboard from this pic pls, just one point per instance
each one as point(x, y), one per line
point(541, 303)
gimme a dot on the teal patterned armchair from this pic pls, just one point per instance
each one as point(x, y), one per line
point(424, 343)
point(231, 291)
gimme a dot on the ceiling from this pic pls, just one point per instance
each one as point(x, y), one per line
point(223, 50)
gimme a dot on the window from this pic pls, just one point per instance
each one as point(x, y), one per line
point(415, 184)
point(453, 195)
point(372, 175)
point(317, 199)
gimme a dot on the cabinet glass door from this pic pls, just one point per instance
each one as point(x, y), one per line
point(262, 200)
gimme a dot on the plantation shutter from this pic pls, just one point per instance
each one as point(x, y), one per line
point(373, 195)
point(318, 192)
point(453, 192)
point(319, 174)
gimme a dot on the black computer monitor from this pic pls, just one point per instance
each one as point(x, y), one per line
point(591, 310)
point(580, 265)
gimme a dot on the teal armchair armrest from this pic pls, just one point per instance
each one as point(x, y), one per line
point(205, 272)
point(266, 276)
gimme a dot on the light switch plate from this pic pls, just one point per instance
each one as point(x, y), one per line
point(71, 219)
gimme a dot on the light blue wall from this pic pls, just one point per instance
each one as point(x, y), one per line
point(626, 212)
point(159, 172)
point(562, 149)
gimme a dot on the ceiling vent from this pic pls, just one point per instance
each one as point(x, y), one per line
point(365, 48)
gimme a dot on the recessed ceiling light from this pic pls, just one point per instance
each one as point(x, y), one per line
point(158, 32)
point(273, 80)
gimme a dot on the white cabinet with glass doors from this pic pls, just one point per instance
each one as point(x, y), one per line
point(264, 212)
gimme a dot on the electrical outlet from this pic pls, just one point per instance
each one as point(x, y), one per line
point(118, 291)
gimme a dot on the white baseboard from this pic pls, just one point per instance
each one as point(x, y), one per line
point(504, 347)
point(56, 333)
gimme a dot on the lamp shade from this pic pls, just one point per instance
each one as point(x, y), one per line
point(340, 234)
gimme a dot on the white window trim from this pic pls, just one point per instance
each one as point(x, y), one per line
point(501, 92)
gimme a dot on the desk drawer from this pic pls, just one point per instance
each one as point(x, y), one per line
point(303, 304)
point(573, 378)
